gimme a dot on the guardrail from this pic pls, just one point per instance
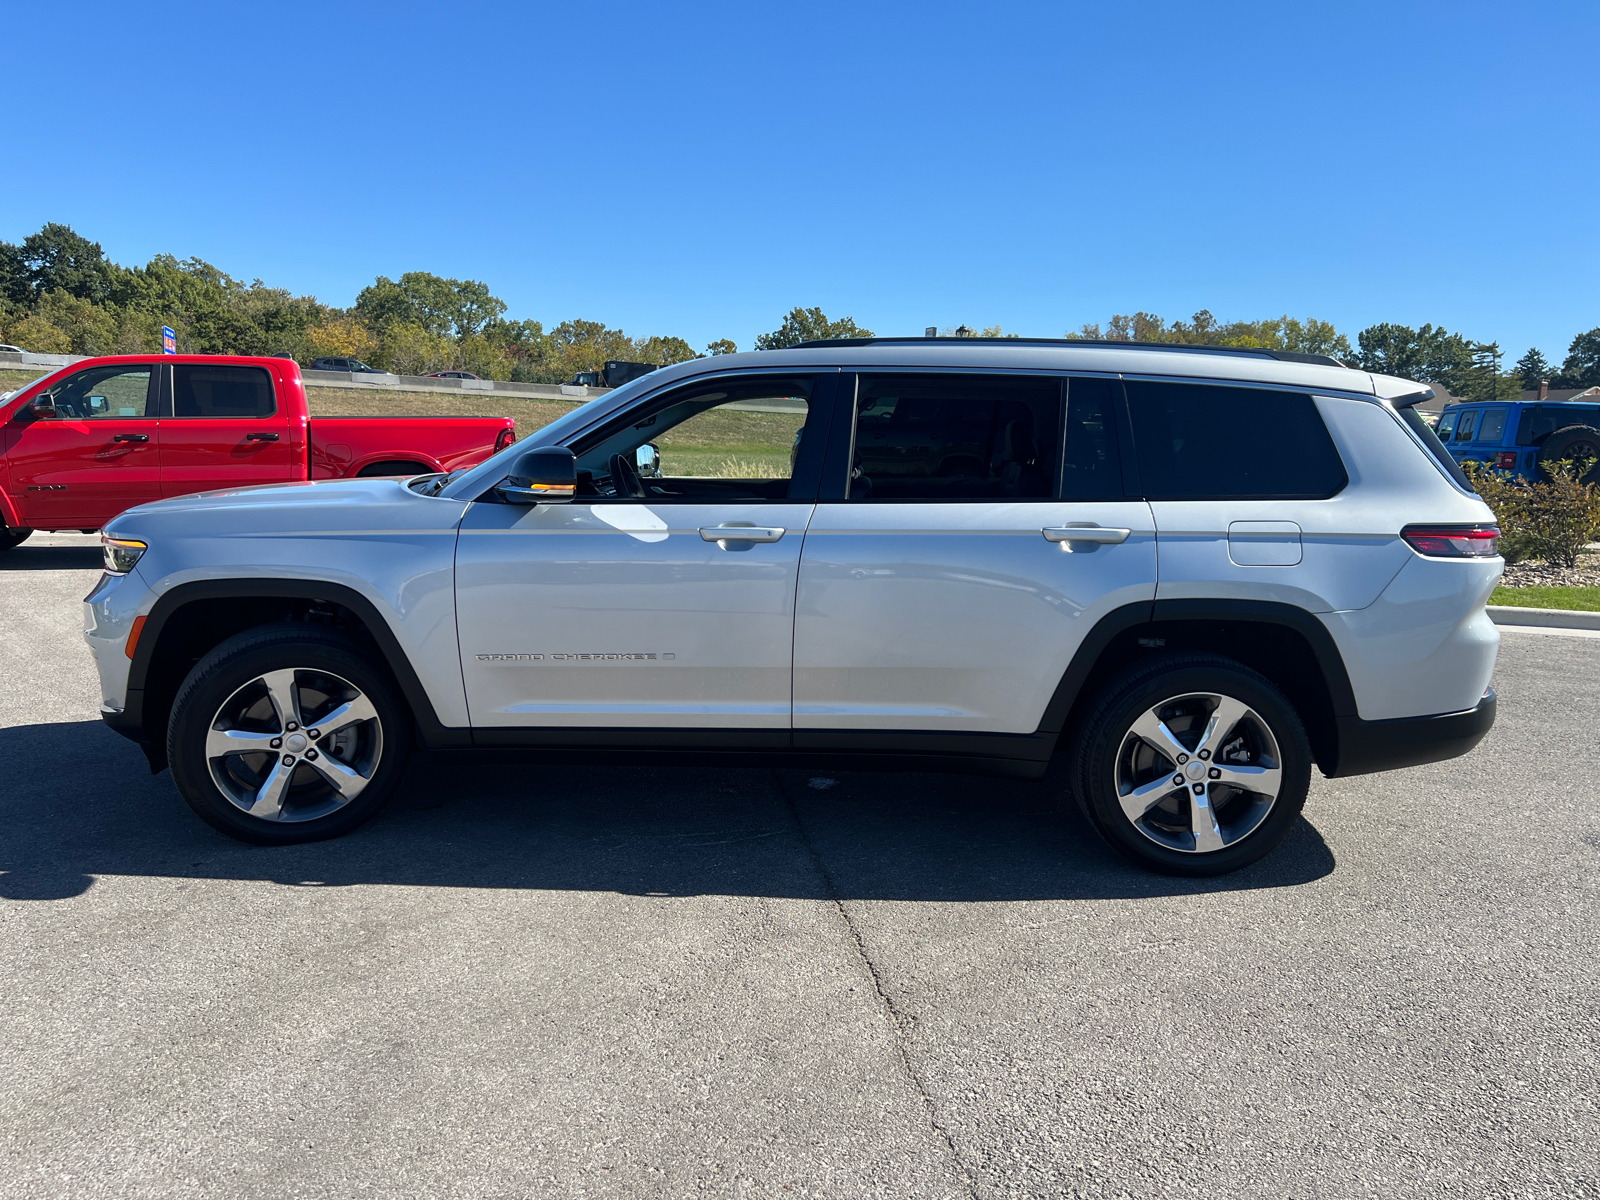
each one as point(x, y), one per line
point(363, 381)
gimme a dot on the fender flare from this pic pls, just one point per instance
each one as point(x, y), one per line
point(427, 460)
point(8, 510)
point(432, 733)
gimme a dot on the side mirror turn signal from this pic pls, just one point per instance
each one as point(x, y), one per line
point(547, 475)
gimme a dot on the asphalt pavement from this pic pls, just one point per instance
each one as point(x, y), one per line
point(535, 981)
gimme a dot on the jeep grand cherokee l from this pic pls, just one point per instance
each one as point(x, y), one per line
point(1195, 573)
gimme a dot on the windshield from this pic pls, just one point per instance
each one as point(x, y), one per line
point(495, 468)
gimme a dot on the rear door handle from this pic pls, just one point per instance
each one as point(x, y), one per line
point(1086, 533)
point(131, 437)
point(741, 533)
point(260, 437)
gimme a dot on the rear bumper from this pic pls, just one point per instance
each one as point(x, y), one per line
point(1368, 746)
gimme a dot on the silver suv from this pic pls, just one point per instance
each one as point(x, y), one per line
point(1193, 572)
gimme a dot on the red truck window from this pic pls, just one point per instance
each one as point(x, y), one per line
point(208, 391)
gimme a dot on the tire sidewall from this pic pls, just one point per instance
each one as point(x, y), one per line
point(235, 663)
point(1095, 774)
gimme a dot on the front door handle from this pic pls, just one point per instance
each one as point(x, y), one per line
point(741, 533)
point(131, 437)
point(1086, 533)
point(260, 437)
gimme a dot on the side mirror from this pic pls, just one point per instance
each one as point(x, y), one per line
point(547, 475)
point(647, 458)
point(44, 405)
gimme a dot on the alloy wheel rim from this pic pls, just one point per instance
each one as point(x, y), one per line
point(1198, 773)
point(294, 745)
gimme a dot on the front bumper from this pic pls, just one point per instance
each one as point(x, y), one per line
point(1368, 746)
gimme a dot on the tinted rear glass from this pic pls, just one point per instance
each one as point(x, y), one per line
point(206, 391)
point(1197, 442)
point(956, 437)
point(1539, 423)
point(1091, 468)
point(1426, 435)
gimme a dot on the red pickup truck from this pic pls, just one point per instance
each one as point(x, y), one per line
point(83, 443)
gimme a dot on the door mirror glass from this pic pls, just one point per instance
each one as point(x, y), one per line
point(548, 475)
point(647, 458)
point(44, 406)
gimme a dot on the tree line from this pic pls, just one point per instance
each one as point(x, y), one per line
point(60, 294)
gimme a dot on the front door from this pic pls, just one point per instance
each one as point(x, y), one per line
point(222, 428)
point(663, 597)
point(98, 455)
point(985, 532)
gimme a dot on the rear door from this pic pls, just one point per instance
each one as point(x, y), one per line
point(222, 426)
point(99, 455)
point(943, 590)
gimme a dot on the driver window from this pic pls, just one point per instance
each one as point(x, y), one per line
point(104, 392)
point(723, 439)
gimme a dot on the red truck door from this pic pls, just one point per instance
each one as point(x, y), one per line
point(98, 455)
point(221, 426)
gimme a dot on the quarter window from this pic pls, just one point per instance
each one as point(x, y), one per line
point(1201, 442)
point(206, 391)
point(1539, 423)
point(958, 437)
point(1091, 467)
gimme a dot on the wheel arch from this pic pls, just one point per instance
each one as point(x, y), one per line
point(427, 462)
point(1285, 643)
point(193, 618)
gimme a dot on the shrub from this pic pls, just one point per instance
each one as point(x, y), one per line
point(1551, 521)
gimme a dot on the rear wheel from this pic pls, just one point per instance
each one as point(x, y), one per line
point(285, 734)
point(12, 538)
point(1192, 766)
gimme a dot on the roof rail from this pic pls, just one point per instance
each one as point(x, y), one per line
point(1174, 347)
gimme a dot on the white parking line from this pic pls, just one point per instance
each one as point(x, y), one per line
point(1577, 633)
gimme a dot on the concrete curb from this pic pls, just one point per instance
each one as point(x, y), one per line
point(1548, 618)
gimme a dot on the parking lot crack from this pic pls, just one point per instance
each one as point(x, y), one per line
point(900, 1022)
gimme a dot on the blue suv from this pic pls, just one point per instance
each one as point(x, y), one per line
point(1519, 435)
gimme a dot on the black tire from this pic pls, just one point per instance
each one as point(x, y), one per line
point(1106, 754)
point(1574, 441)
point(10, 538)
point(231, 677)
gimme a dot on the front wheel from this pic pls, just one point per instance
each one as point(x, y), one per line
point(10, 538)
point(287, 734)
point(1192, 766)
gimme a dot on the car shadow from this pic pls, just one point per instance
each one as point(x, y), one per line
point(52, 558)
point(77, 802)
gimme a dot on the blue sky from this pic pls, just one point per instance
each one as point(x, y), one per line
point(700, 169)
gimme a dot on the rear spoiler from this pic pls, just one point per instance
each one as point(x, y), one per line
point(1411, 399)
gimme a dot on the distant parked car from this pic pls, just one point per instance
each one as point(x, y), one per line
point(344, 364)
point(4, 349)
point(453, 375)
point(1520, 436)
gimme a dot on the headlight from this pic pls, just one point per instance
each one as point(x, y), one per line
point(121, 554)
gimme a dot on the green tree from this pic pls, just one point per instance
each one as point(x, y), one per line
point(664, 351)
point(722, 346)
point(1582, 366)
point(1427, 354)
point(809, 325)
point(57, 259)
point(458, 308)
point(1531, 368)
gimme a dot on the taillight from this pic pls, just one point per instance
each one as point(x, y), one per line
point(1506, 460)
point(1453, 541)
point(507, 436)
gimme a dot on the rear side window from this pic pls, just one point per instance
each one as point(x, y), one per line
point(1198, 442)
point(1466, 425)
point(205, 391)
point(956, 437)
point(1493, 426)
point(1539, 423)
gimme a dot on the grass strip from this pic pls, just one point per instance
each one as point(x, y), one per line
point(1575, 599)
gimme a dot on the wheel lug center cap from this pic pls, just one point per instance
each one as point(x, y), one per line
point(1194, 769)
point(296, 742)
